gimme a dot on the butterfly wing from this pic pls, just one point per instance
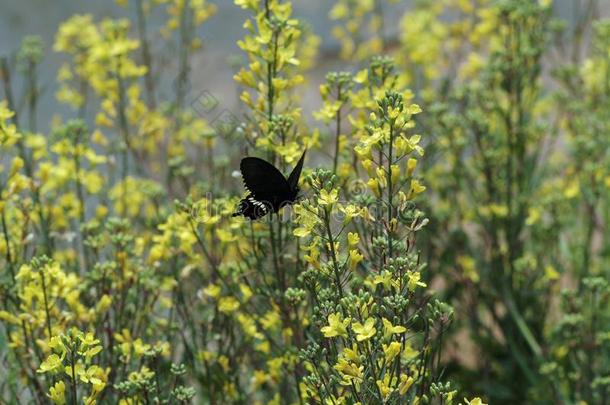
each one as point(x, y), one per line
point(251, 208)
point(263, 180)
point(293, 179)
point(268, 188)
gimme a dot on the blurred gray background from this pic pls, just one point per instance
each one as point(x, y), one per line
point(211, 67)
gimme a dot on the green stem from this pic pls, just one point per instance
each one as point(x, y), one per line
point(46, 302)
point(337, 132)
point(522, 324)
point(32, 95)
point(149, 83)
point(81, 201)
point(9, 256)
point(333, 253)
point(73, 363)
point(390, 191)
point(124, 127)
point(274, 250)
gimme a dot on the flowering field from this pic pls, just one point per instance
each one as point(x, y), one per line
point(449, 243)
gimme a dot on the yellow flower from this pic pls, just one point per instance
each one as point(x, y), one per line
point(271, 320)
point(414, 282)
point(383, 388)
point(91, 375)
point(8, 317)
point(381, 177)
point(386, 279)
point(57, 393)
point(352, 354)
point(395, 173)
point(469, 268)
point(353, 239)
point(246, 291)
point(572, 189)
point(212, 290)
point(350, 372)
point(202, 213)
point(103, 304)
point(52, 363)
point(225, 236)
point(361, 76)
point(301, 232)
point(366, 331)
point(339, 11)
point(391, 351)
point(474, 401)
point(416, 188)
point(88, 339)
point(350, 211)
point(368, 166)
point(414, 109)
point(355, 257)
point(543, 4)
point(140, 348)
point(92, 352)
point(259, 378)
point(534, 215)
point(337, 326)
point(313, 257)
point(405, 383)
point(245, 4)
point(306, 219)
point(412, 144)
point(411, 165)
point(227, 305)
point(551, 273)
point(499, 210)
point(393, 112)
point(327, 198)
point(249, 326)
point(374, 186)
point(389, 329)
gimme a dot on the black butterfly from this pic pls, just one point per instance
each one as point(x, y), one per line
point(268, 189)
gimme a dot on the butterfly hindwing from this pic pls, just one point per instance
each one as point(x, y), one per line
point(251, 208)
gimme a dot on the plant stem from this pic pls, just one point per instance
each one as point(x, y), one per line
point(32, 95)
point(390, 191)
point(9, 258)
point(124, 127)
point(46, 302)
point(81, 201)
point(337, 132)
point(73, 363)
point(146, 56)
point(333, 253)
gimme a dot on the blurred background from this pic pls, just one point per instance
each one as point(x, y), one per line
point(211, 70)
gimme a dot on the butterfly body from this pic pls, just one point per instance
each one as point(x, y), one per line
point(268, 189)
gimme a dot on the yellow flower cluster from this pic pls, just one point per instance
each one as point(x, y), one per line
point(71, 360)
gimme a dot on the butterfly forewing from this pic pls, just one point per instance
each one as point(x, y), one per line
point(293, 179)
point(263, 180)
